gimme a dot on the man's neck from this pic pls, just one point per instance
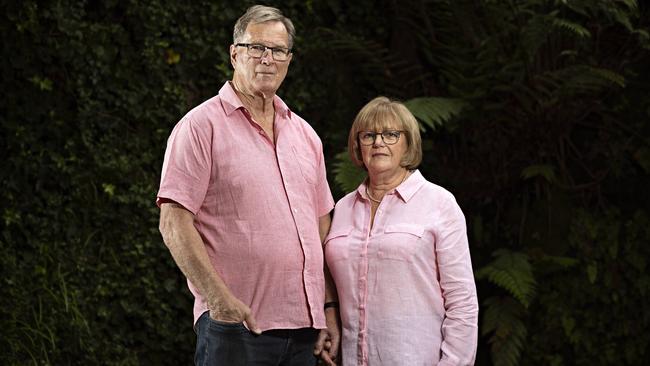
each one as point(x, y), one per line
point(257, 104)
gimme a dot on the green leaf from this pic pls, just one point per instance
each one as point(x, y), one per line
point(564, 262)
point(592, 272)
point(109, 189)
point(574, 28)
point(545, 171)
point(435, 111)
point(346, 175)
point(504, 318)
point(511, 271)
point(43, 84)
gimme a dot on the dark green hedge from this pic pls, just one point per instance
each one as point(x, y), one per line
point(549, 159)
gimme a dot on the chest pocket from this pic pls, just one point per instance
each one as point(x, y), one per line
point(400, 242)
point(337, 245)
point(307, 164)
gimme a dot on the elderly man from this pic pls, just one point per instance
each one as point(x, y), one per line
point(244, 206)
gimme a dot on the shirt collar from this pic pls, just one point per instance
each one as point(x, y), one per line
point(406, 190)
point(231, 102)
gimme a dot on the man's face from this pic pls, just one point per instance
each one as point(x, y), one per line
point(260, 75)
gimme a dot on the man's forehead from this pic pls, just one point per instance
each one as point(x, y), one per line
point(271, 31)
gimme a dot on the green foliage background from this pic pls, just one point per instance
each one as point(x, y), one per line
point(535, 114)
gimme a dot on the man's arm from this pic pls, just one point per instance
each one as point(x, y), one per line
point(187, 249)
point(327, 345)
point(324, 223)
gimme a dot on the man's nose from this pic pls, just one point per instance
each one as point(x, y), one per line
point(267, 57)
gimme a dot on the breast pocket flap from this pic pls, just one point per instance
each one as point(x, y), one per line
point(344, 231)
point(412, 229)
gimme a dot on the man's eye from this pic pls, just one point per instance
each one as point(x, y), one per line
point(257, 47)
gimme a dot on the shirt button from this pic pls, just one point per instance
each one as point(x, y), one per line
point(295, 210)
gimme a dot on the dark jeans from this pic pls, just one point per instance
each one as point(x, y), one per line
point(231, 344)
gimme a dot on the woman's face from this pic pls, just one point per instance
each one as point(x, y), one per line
point(380, 157)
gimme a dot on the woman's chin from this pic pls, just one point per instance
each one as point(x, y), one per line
point(377, 169)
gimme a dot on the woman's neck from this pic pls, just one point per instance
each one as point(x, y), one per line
point(381, 183)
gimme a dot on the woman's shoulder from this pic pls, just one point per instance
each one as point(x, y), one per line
point(436, 196)
point(432, 189)
point(347, 200)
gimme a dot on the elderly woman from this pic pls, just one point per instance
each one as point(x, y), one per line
point(398, 253)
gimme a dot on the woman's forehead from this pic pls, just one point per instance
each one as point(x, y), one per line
point(381, 123)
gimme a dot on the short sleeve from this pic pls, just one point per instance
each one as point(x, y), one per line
point(187, 166)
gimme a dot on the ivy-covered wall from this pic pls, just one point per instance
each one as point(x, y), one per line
point(535, 114)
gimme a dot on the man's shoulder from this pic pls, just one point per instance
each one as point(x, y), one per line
point(206, 109)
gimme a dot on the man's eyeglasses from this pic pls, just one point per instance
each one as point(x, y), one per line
point(257, 50)
point(367, 138)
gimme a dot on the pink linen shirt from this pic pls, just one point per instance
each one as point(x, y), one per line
point(406, 287)
point(256, 206)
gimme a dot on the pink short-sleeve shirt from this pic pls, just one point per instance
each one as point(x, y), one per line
point(406, 287)
point(256, 206)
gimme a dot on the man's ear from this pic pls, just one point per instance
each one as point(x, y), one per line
point(233, 55)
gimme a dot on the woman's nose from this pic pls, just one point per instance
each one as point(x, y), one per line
point(379, 140)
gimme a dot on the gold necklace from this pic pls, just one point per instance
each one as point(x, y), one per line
point(373, 199)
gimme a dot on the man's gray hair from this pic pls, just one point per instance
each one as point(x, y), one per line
point(260, 14)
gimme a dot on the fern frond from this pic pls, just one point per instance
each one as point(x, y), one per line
point(585, 79)
point(435, 111)
point(346, 175)
point(608, 75)
point(564, 262)
point(379, 66)
point(511, 271)
point(572, 27)
point(503, 317)
point(534, 34)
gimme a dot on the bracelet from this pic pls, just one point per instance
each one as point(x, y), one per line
point(331, 304)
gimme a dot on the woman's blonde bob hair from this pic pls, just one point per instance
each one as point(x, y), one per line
point(382, 113)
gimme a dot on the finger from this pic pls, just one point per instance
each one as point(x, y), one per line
point(318, 346)
point(252, 324)
point(334, 347)
point(327, 359)
point(214, 316)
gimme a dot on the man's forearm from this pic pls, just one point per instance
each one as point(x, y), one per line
point(187, 249)
point(330, 288)
point(324, 223)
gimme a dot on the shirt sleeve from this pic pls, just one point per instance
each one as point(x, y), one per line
point(460, 325)
point(324, 198)
point(187, 166)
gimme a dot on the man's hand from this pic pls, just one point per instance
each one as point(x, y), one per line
point(327, 345)
point(188, 251)
point(231, 310)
